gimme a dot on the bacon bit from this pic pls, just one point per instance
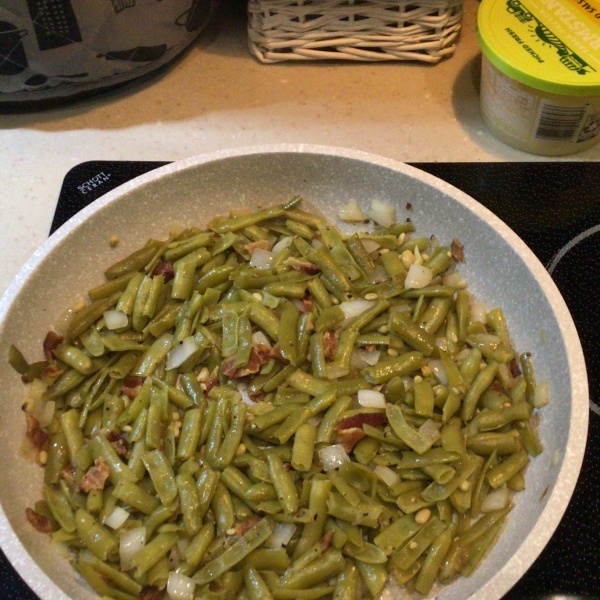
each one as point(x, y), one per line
point(131, 385)
point(213, 586)
point(515, 370)
point(408, 206)
point(164, 268)
point(373, 419)
point(51, 372)
point(149, 592)
point(326, 540)
point(39, 522)
point(259, 355)
point(307, 304)
point(457, 250)
point(348, 438)
point(330, 343)
point(257, 397)
point(303, 266)
point(119, 443)
point(275, 353)
point(252, 246)
point(212, 380)
point(68, 475)
point(51, 341)
point(35, 434)
point(497, 386)
point(241, 528)
point(96, 476)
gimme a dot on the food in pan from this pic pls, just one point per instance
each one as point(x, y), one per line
point(269, 408)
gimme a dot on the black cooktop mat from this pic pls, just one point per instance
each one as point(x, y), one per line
point(555, 209)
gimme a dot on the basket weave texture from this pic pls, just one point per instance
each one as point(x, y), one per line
point(360, 30)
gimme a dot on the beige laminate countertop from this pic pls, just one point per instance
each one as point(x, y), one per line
point(217, 96)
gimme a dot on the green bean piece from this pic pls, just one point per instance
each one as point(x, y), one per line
point(480, 384)
point(288, 327)
point(198, 545)
point(479, 549)
point(60, 508)
point(134, 262)
point(152, 552)
point(253, 538)
point(157, 352)
point(411, 437)
point(256, 587)
point(222, 507)
point(189, 501)
point(110, 287)
point(98, 583)
point(330, 563)
point(424, 401)
point(119, 471)
point(485, 444)
point(405, 556)
point(433, 560)
point(412, 334)
point(119, 578)
point(284, 484)
point(304, 447)
point(162, 475)
point(504, 470)
point(190, 433)
point(136, 497)
point(346, 587)
point(94, 536)
point(86, 317)
point(463, 314)
point(317, 505)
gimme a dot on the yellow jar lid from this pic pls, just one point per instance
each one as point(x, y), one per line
point(550, 45)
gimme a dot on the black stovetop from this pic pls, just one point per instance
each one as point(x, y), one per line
point(555, 209)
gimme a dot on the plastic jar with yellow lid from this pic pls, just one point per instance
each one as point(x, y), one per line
point(540, 81)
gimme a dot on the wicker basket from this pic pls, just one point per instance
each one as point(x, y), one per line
point(363, 30)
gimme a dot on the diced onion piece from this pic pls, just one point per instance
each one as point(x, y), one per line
point(351, 212)
point(370, 245)
point(387, 475)
point(116, 518)
point(282, 244)
point(261, 259)
point(378, 275)
point(298, 304)
point(362, 358)
point(260, 339)
point(180, 587)
point(282, 534)
point(333, 457)
point(354, 308)
point(453, 279)
point(334, 371)
point(243, 390)
point(478, 313)
point(131, 543)
point(418, 277)
point(495, 500)
point(181, 353)
point(489, 339)
point(540, 396)
point(430, 431)
point(437, 367)
point(382, 213)
point(45, 413)
point(115, 319)
point(371, 399)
